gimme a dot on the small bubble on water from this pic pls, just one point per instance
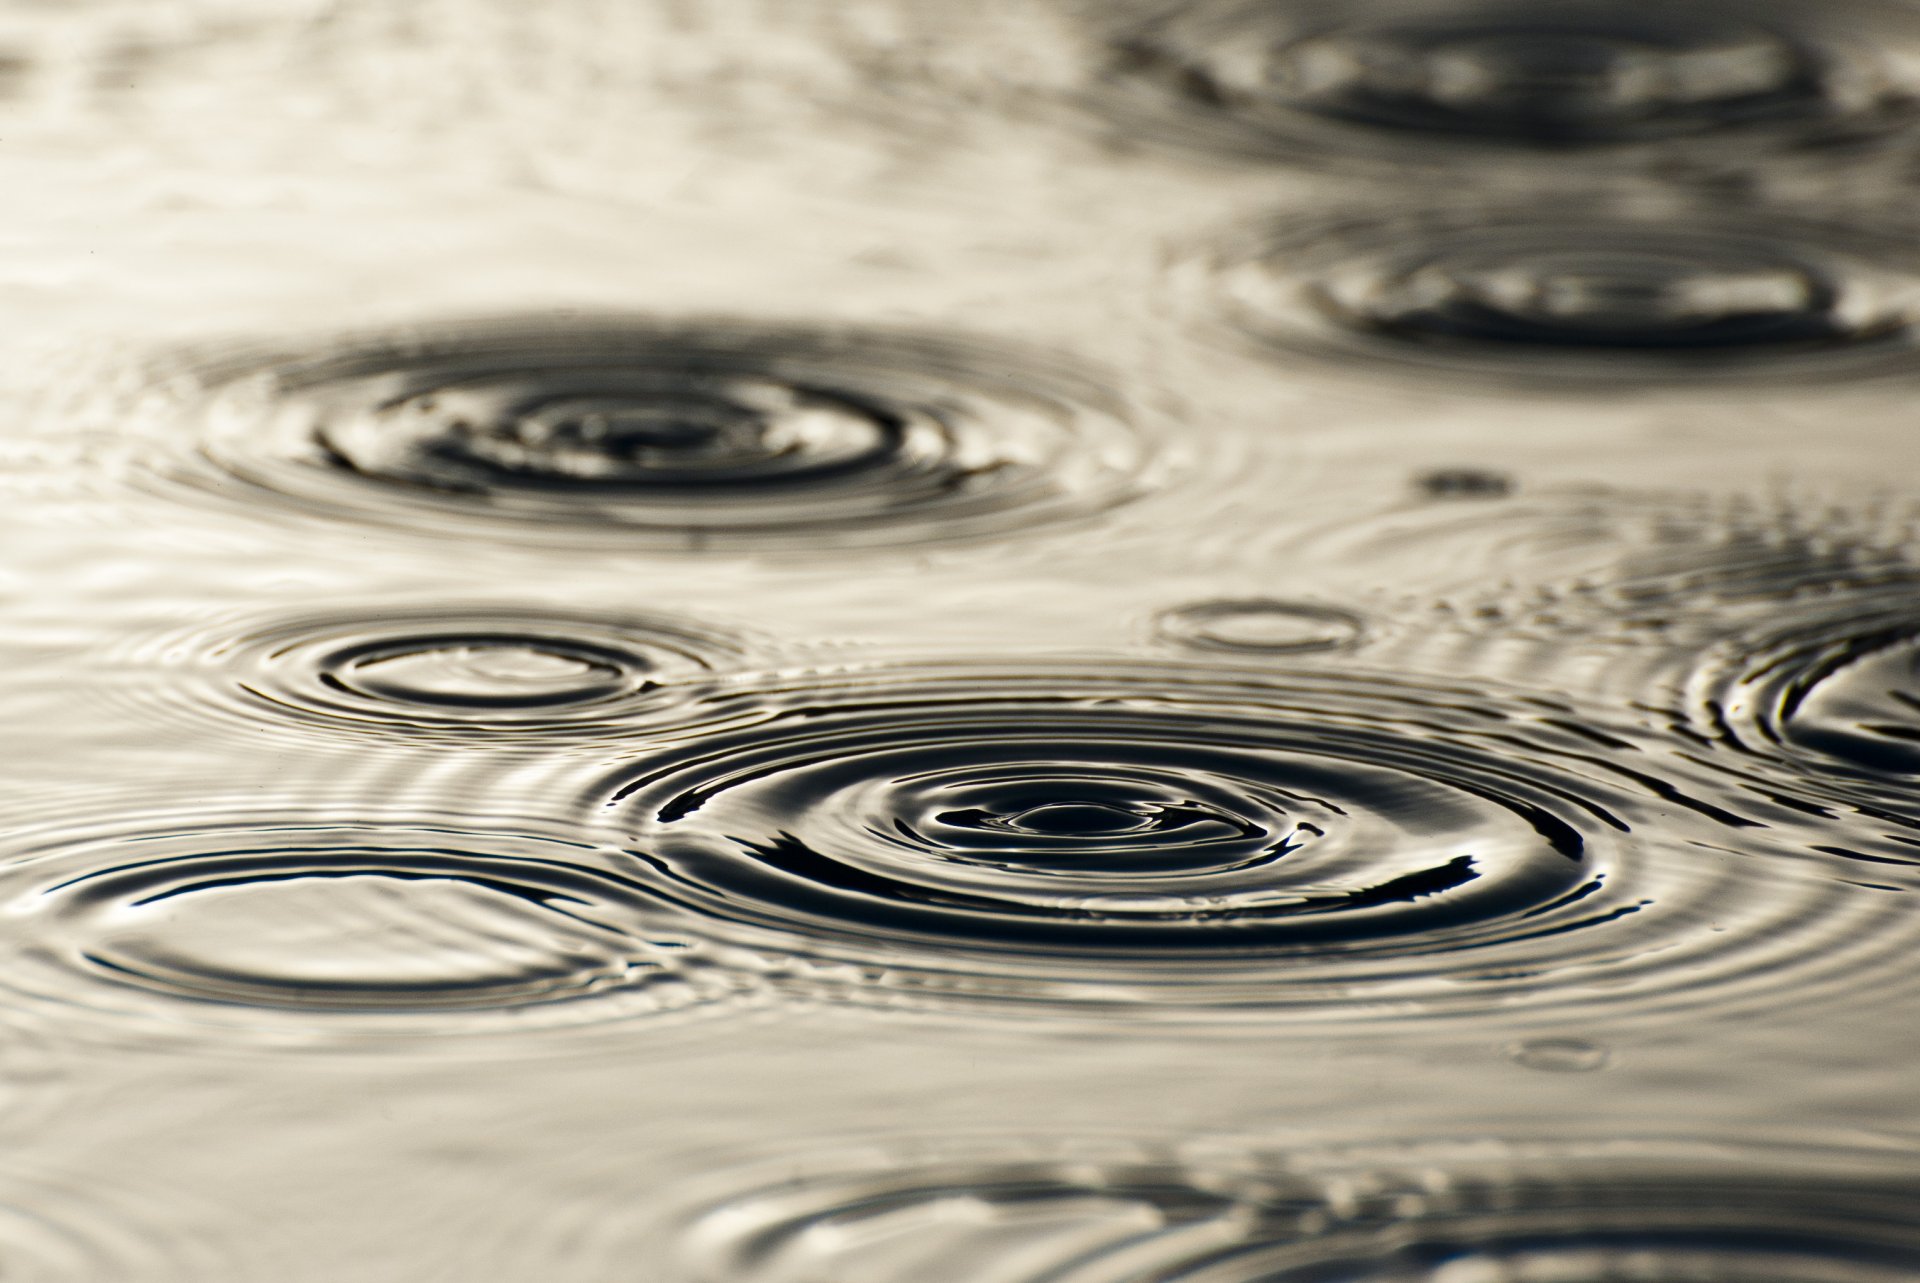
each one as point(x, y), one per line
point(1561, 1055)
point(1261, 626)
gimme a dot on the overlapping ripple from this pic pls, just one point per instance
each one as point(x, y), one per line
point(1178, 839)
point(1820, 712)
point(671, 436)
point(1437, 1213)
point(335, 933)
point(1612, 296)
point(478, 673)
point(1425, 82)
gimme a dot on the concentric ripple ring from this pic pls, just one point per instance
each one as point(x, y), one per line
point(481, 673)
point(658, 435)
point(1176, 838)
point(1820, 713)
point(1424, 82)
point(1607, 296)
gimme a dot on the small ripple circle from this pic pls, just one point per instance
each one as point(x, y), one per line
point(1819, 713)
point(671, 436)
point(1181, 839)
point(482, 673)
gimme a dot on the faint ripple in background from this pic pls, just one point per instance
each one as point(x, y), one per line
point(1535, 1213)
point(1816, 709)
point(1438, 82)
point(1648, 568)
point(56, 1227)
point(1604, 295)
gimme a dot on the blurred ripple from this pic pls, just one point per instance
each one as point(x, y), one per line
point(1426, 82)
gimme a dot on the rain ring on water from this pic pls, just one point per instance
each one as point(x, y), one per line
point(341, 934)
point(481, 673)
point(1820, 714)
point(1186, 840)
point(663, 436)
point(1414, 1213)
point(1609, 299)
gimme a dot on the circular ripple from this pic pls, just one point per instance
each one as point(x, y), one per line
point(1426, 81)
point(1822, 715)
point(1641, 1212)
point(1260, 626)
point(502, 673)
point(690, 436)
point(1611, 297)
point(1846, 691)
point(363, 932)
point(1171, 838)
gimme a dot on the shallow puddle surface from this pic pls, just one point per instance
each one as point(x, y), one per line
point(774, 641)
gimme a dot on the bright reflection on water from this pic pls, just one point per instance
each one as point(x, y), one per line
point(775, 641)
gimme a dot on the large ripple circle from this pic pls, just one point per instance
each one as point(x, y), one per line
point(1168, 837)
point(340, 933)
point(1435, 81)
point(657, 435)
point(1604, 296)
point(1539, 1213)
